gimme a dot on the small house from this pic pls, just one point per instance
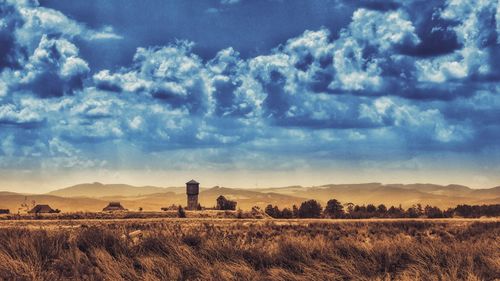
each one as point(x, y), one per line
point(42, 209)
point(113, 207)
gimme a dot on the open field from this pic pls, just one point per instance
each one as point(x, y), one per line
point(249, 249)
point(117, 215)
point(169, 219)
point(93, 197)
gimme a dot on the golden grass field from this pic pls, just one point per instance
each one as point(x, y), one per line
point(249, 249)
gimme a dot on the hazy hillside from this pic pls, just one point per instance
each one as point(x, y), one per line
point(13, 202)
point(487, 193)
point(94, 196)
point(148, 202)
point(248, 198)
point(97, 190)
point(395, 194)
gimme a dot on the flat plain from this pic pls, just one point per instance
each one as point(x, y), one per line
point(249, 249)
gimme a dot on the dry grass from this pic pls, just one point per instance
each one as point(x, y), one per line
point(253, 250)
point(120, 215)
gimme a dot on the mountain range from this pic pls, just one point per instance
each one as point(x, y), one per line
point(94, 196)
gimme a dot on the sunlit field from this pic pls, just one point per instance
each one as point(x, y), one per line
point(249, 249)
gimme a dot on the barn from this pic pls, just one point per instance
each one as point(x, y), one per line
point(42, 209)
point(113, 207)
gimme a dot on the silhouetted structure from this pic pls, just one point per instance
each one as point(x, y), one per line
point(4, 211)
point(42, 209)
point(192, 191)
point(113, 207)
point(225, 204)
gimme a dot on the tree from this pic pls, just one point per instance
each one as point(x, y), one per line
point(225, 204)
point(286, 213)
point(382, 209)
point(272, 211)
point(449, 213)
point(433, 212)
point(370, 208)
point(420, 210)
point(359, 209)
point(239, 214)
point(476, 211)
point(180, 212)
point(295, 211)
point(412, 212)
point(358, 212)
point(25, 206)
point(394, 212)
point(334, 209)
point(350, 207)
point(310, 209)
point(465, 211)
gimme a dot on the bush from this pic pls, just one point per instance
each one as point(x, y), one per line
point(180, 212)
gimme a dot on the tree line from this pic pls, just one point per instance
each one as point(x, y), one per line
point(335, 209)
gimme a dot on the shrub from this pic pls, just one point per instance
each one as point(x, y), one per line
point(180, 212)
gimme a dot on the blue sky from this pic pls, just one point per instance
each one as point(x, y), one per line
point(257, 92)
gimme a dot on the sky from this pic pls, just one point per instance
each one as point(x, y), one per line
point(249, 93)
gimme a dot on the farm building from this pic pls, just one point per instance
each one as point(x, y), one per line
point(4, 211)
point(192, 191)
point(42, 209)
point(113, 207)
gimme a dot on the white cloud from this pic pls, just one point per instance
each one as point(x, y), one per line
point(27, 111)
point(497, 17)
point(296, 97)
point(353, 71)
point(229, 2)
point(473, 32)
point(38, 21)
point(381, 29)
point(172, 74)
point(316, 43)
point(105, 33)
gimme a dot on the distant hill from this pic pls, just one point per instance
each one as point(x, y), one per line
point(97, 190)
point(248, 198)
point(395, 194)
point(94, 196)
point(13, 202)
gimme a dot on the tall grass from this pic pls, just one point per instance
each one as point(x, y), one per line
point(249, 250)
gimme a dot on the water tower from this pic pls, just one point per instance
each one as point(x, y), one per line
point(192, 191)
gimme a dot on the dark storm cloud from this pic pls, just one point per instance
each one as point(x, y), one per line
point(10, 19)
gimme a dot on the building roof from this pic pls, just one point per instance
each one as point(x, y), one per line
point(192, 182)
point(41, 209)
point(114, 206)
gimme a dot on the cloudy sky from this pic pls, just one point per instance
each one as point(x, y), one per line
point(249, 92)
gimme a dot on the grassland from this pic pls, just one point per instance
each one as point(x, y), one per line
point(248, 249)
